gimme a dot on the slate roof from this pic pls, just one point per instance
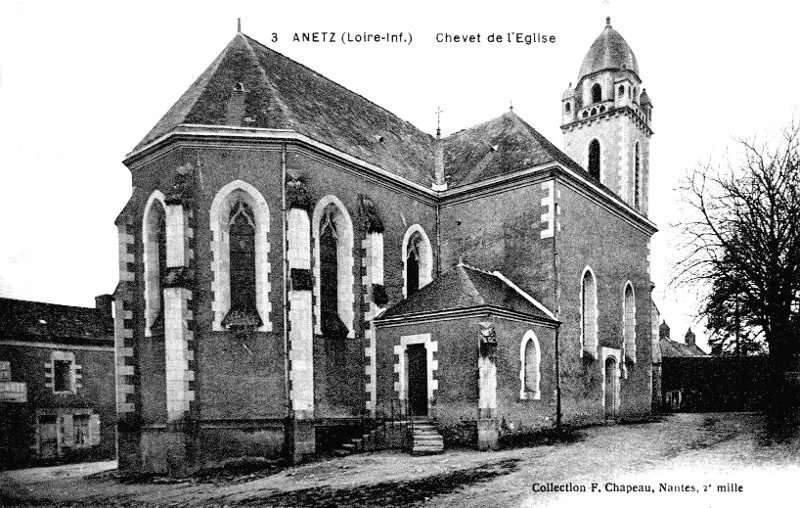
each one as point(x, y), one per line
point(609, 51)
point(672, 349)
point(22, 320)
point(502, 145)
point(465, 287)
point(279, 93)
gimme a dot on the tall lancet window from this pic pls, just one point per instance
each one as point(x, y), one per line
point(328, 266)
point(412, 265)
point(594, 159)
point(636, 177)
point(242, 231)
point(154, 237)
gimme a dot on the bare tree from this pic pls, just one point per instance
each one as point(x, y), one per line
point(742, 242)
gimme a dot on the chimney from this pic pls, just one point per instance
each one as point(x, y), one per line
point(103, 304)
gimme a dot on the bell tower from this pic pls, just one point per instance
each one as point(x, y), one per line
point(607, 119)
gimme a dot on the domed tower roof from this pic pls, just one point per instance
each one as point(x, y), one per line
point(609, 51)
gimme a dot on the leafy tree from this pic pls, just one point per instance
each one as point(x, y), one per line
point(741, 240)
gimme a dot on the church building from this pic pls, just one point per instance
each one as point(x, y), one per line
point(296, 260)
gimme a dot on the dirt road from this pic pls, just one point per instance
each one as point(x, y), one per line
point(686, 461)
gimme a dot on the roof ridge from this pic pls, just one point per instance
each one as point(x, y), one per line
point(473, 291)
point(525, 295)
point(37, 302)
point(275, 94)
point(339, 85)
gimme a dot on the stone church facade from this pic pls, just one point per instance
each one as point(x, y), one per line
point(295, 259)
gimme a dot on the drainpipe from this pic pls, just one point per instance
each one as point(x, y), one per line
point(285, 264)
point(556, 302)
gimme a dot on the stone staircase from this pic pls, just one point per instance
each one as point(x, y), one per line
point(425, 438)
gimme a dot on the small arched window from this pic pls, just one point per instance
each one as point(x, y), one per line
point(417, 260)
point(594, 159)
point(530, 371)
point(621, 91)
point(566, 108)
point(629, 323)
point(597, 93)
point(637, 177)
point(589, 313)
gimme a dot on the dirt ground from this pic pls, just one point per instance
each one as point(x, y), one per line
point(685, 460)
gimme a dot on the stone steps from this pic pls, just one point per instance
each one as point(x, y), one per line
point(425, 439)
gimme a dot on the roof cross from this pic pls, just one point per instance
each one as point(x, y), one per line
point(439, 112)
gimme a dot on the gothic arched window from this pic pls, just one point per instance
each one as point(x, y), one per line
point(154, 239)
point(594, 159)
point(417, 260)
point(242, 257)
point(239, 258)
point(637, 177)
point(597, 93)
point(589, 313)
point(333, 268)
point(530, 372)
point(629, 323)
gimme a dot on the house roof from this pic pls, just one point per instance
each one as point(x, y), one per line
point(466, 287)
point(250, 85)
point(22, 320)
point(672, 349)
point(502, 145)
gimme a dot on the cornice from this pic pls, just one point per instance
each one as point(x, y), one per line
point(624, 110)
point(452, 314)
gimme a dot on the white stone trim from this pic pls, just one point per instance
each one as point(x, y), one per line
point(431, 347)
point(75, 372)
point(590, 347)
point(425, 255)
point(152, 284)
point(629, 323)
point(606, 352)
point(548, 205)
point(301, 331)
point(220, 251)
point(373, 274)
point(177, 354)
point(344, 264)
point(524, 394)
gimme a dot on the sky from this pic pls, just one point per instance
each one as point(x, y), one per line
point(82, 82)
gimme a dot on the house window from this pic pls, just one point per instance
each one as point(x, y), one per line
point(154, 238)
point(594, 159)
point(81, 433)
point(621, 91)
point(637, 177)
point(333, 269)
point(62, 376)
point(566, 107)
point(240, 258)
point(629, 323)
point(417, 260)
point(530, 372)
point(597, 93)
point(589, 313)
point(5, 371)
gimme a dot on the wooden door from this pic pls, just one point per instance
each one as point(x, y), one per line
point(48, 436)
point(418, 379)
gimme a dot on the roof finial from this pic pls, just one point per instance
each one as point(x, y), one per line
point(239, 25)
point(608, 20)
point(439, 112)
point(511, 106)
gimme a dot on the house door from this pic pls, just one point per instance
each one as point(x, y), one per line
point(418, 379)
point(611, 388)
point(48, 436)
